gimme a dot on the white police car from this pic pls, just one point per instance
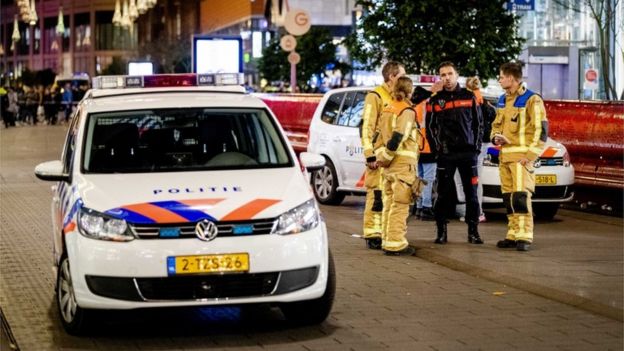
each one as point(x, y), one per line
point(335, 134)
point(178, 190)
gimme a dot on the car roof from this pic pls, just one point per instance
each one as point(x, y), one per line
point(103, 100)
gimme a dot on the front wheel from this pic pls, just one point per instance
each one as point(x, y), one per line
point(545, 210)
point(313, 311)
point(75, 319)
point(325, 185)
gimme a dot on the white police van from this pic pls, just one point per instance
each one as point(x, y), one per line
point(335, 134)
point(182, 190)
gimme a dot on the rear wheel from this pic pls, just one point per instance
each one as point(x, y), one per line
point(325, 185)
point(75, 319)
point(545, 210)
point(313, 311)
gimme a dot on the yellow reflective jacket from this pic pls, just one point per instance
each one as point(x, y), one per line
point(374, 103)
point(399, 134)
point(521, 118)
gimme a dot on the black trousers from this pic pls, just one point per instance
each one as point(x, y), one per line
point(466, 164)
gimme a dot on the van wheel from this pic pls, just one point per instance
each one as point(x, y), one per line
point(546, 210)
point(74, 318)
point(313, 311)
point(325, 183)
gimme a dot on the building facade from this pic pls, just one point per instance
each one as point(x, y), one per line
point(89, 40)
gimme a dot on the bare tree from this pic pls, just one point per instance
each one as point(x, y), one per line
point(603, 12)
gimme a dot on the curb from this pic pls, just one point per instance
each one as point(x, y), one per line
point(536, 289)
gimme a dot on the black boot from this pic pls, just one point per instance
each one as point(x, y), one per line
point(441, 237)
point(473, 234)
point(374, 243)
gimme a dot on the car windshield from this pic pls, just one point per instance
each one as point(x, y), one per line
point(173, 140)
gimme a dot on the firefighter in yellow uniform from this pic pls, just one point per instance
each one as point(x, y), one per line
point(399, 156)
point(374, 103)
point(520, 128)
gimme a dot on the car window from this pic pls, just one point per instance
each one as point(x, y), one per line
point(351, 114)
point(332, 108)
point(70, 142)
point(182, 139)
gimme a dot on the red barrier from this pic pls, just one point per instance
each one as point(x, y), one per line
point(593, 132)
point(294, 111)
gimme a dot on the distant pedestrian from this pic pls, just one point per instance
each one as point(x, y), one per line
point(521, 129)
point(67, 101)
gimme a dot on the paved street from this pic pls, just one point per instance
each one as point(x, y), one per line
point(566, 294)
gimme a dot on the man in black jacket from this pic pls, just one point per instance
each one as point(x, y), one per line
point(455, 131)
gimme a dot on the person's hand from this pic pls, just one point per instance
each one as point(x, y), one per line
point(524, 161)
point(437, 86)
point(382, 164)
point(372, 165)
point(500, 139)
point(473, 83)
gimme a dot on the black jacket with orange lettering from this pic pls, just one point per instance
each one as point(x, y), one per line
point(454, 122)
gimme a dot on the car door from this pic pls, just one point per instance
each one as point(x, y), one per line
point(349, 140)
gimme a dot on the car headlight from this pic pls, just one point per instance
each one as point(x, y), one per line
point(566, 159)
point(300, 219)
point(96, 225)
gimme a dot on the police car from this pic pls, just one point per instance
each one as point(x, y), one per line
point(182, 190)
point(335, 134)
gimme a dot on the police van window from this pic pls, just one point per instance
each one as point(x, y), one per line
point(332, 108)
point(172, 140)
point(352, 109)
point(70, 142)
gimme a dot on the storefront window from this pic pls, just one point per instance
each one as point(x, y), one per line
point(111, 37)
point(82, 32)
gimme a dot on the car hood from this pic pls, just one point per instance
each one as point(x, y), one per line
point(552, 149)
point(192, 196)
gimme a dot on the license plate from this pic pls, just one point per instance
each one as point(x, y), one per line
point(546, 179)
point(238, 262)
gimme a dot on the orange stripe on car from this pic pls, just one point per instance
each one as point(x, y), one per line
point(549, 152)
point(360, 182)
point(69, 227)
point(248, 210)
point(201, 204)
point(156, 213)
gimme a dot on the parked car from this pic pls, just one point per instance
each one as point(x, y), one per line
point(335, 134)
point(172, 191)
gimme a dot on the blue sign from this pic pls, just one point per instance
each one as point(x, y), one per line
point(520, 5)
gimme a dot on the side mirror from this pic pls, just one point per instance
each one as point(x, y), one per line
point(51, 170)
point(311, 161)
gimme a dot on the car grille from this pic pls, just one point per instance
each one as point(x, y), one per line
point(551, 161)
point(187, 230)
point(207, 286)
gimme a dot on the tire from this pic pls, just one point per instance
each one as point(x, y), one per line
point(545, 210)
point(313, 311)
point(75, 319)
point(325, 184)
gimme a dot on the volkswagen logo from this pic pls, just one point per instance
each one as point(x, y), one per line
point(206, 230)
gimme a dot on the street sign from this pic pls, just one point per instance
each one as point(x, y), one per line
point(288, 43)
point(591, 79)
point(294, 58)
point(521, 5)
point(297, 22)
